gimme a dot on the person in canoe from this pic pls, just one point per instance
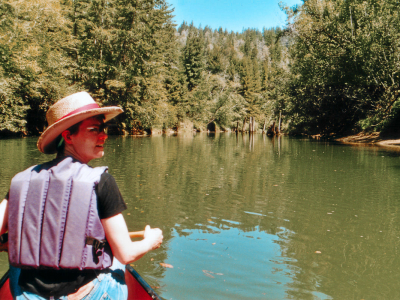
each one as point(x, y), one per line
point(66, 233)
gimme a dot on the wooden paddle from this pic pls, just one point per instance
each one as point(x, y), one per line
point(136, 234)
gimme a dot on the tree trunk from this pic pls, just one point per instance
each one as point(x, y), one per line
point(351, 23)
point(280, 121)
point(271, 130)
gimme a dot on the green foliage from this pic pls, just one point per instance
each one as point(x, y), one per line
point(215, 60)
point(128, 53)
point(389, 125)
point(33, 67)
point(192, 58)
point(345, 62)
point(12, 109)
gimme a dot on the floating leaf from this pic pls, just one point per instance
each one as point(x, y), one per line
point(166, 265)
point(207, 273)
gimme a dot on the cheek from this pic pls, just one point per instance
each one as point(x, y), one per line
point(87, 143)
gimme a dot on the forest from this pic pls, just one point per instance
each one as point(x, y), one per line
point(332, 70)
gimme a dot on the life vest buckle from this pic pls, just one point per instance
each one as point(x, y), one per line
point(97, 244)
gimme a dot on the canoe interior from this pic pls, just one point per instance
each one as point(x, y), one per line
point(137, 287)
point(5, 293)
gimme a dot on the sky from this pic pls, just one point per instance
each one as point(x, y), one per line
point(233, 15)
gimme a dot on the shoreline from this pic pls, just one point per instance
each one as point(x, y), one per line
point(371, 138)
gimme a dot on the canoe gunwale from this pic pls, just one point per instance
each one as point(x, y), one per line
point(143, 283)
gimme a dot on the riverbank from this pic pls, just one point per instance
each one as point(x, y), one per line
point(374, 138)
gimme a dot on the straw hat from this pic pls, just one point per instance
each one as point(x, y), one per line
point(69, 111)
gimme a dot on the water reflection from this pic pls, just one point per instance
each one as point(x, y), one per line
point(280, 218)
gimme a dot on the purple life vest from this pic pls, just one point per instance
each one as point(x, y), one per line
point(53, 220)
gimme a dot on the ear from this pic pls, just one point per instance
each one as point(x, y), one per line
point(66, 136)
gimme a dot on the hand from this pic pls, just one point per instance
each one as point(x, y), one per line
point(153, 236)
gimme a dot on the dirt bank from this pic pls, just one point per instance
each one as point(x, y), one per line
point(371, 138)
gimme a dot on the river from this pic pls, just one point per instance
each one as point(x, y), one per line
point(250, 217)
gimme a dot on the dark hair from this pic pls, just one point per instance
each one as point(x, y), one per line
point(61, 144)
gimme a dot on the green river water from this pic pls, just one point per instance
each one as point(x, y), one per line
point(249, 217)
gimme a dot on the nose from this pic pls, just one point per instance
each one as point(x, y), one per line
point(103, 135)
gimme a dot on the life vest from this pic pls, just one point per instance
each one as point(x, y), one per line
point(53, 220)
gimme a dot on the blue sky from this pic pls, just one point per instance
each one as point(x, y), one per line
point(233, 15)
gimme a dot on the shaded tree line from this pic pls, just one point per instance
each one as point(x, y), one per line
point(344, 66)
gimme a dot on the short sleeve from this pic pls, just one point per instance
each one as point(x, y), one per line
point(109, 198)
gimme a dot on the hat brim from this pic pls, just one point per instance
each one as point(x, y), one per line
point(47, 141)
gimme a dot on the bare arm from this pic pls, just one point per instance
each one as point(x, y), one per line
point(3, 216)
point(122, 247)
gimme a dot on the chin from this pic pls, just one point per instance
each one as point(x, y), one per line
point(98, 154)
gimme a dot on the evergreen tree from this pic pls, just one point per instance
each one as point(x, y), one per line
point(215, 60)
point(192, 58)
point(126, 56)
point(250, 87)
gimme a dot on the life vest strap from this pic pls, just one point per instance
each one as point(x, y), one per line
point(97, 244)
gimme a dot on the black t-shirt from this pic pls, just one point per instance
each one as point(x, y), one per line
point(57, 283)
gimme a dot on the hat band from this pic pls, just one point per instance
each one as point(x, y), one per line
point(83, 108)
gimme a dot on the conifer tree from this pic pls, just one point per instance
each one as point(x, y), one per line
point(192, 58)
point(126, 57)
point(250, 87)
point(214, 60)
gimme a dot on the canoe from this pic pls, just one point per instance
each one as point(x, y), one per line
point(138, 288)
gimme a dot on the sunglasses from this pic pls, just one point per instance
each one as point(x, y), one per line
point(103, 128)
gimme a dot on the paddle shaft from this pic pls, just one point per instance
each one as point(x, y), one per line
point(136, 234)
